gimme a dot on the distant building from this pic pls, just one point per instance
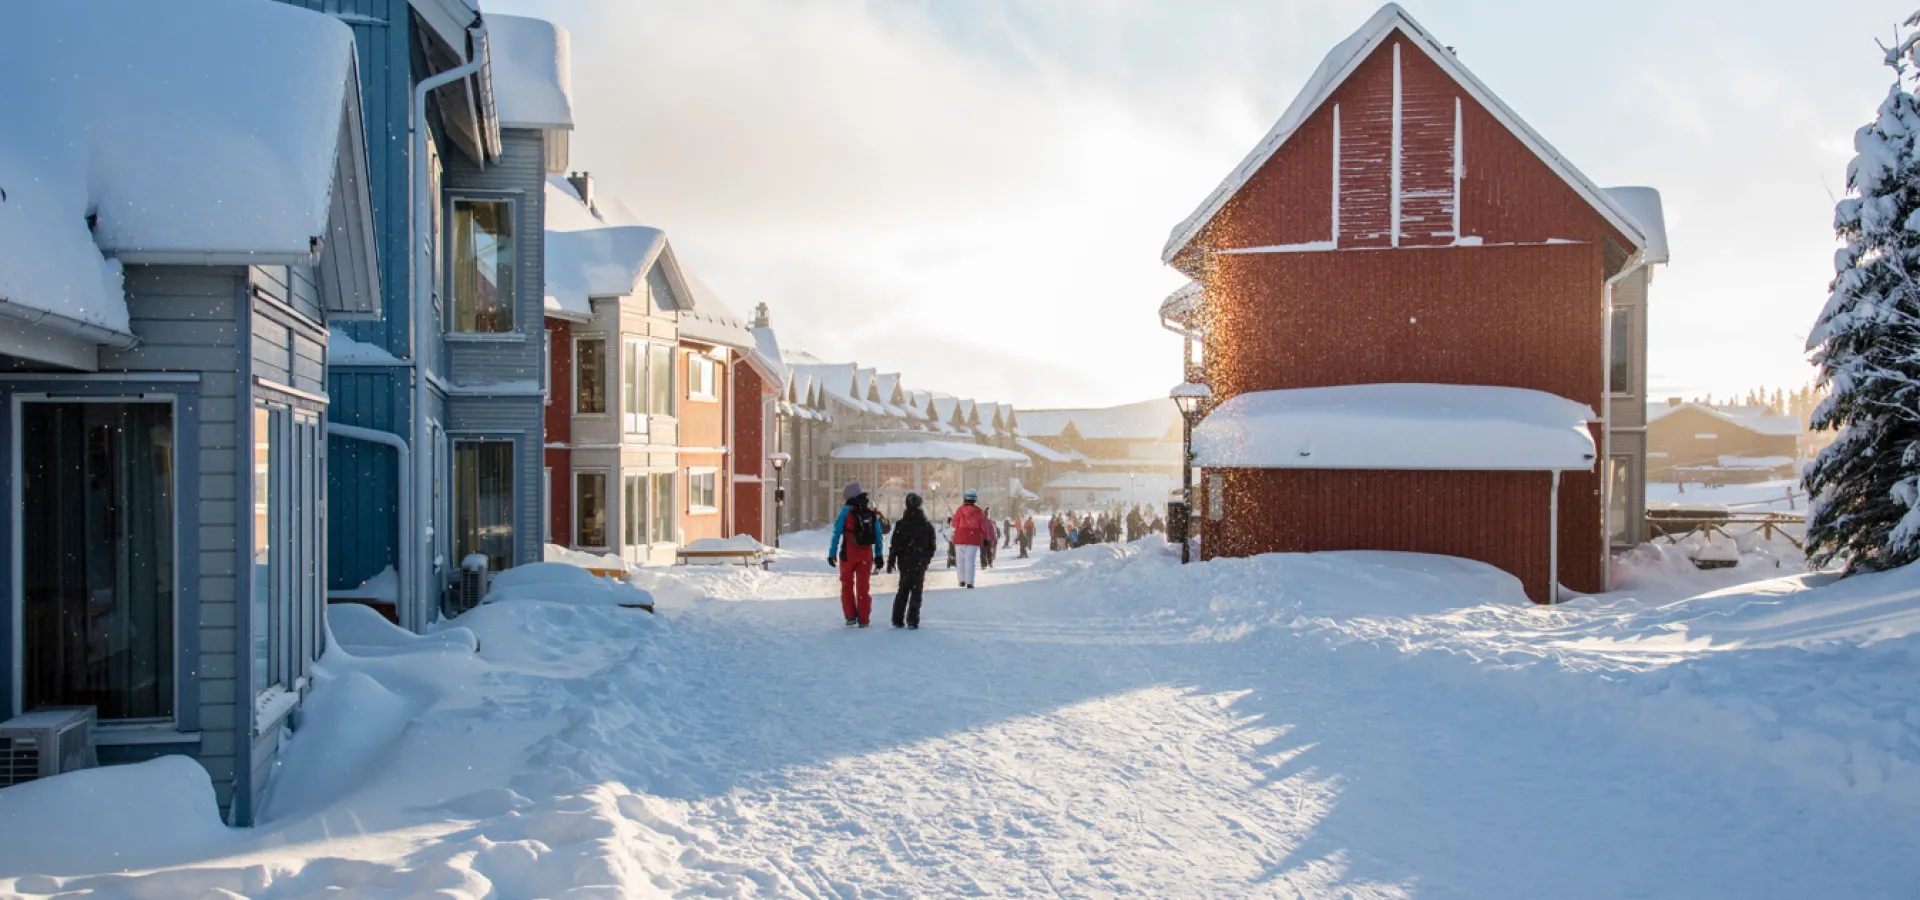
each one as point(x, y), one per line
point(1105, 457)
point(1696, 442)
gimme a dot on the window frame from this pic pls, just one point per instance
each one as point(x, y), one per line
point(606, 529)
point(634, 415)
point(710, 369)
point(1619, 344)
point(636, 524)
point(455, 441)
point(666, 509)
point(656, 353)
point(712, 476)
point(449, 261)
point(579, 381)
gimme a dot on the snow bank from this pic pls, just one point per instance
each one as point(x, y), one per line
point(348, 725)
point(111, 819)
point(1397, 426)
point(565, 584)
point(581, 558)
point(360, 631)
point(737, 542)
point(532, 73)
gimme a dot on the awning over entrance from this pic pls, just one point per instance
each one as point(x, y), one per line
point(1398, 426)
point(923, 451)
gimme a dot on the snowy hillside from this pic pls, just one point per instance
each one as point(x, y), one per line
point(1092, 723)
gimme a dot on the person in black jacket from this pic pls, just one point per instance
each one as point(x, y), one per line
point(912, 551)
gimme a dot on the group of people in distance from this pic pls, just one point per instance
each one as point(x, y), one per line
point(859, 546)
point(1064, 532)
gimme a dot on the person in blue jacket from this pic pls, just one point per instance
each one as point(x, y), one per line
point(859, 525)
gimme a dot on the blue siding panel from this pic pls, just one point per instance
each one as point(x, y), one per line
point(362, 479)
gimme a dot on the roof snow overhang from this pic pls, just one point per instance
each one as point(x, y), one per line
point(1334, 70)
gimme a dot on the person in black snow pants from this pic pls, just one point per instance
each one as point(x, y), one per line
point(912, 551)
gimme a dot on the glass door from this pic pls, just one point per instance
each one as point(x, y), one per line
point(97, 557)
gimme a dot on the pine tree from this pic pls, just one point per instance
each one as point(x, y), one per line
point(1866, 344)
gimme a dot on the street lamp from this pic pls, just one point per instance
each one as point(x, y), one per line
point(1190, 397)
point(779, 461)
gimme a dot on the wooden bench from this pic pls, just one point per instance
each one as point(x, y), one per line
point(746, 558)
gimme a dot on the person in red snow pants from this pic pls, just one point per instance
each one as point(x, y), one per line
point(856, 568)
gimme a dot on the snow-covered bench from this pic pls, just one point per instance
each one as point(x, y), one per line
point(740, 549)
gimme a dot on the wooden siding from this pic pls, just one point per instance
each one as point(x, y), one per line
point(187, 318)
point(517, 418)
point(1428, 99)
point(1366, 153)
point(558, 414)
point(1499, 518)
point(519, 176)
point(362, 484)
point(1517, 316)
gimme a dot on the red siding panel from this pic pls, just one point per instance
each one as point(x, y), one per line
point(1427, 99)
point(1499, 518)
point(1366, 152)
point(1289, 201)
point(559, 418)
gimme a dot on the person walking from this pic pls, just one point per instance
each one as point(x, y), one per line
point(947, 533)
point(969, 530)
point(992, 540)
point(1025, 530)
point(913, 543)
point(859, 526)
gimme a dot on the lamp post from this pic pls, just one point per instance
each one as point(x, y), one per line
point(779, 461)
point(1189, 397)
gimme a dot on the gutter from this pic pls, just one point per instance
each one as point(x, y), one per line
point(399, 445)
point(67, 325)
point(422, 278)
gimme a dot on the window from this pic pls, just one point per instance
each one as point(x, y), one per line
point(546, 504)
point(664, 509)
point(700, 384)
point(590, 509)
point(660, 380)
point(483, 501)
point(482, 261)
point(1217, 497)
point(97, 557)
point(635, 511)
point(633, 388)
point(590, 376)
point(1620, 366)
point(268, 567)
point(1619, 473)
point(701, 494)
point(546, 367)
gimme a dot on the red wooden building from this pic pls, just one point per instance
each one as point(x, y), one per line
point(1400, 225)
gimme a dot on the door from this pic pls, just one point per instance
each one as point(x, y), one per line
point(96, 565)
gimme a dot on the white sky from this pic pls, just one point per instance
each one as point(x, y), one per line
point(975, 192)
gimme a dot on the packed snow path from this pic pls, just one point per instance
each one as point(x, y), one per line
point(1060, 731)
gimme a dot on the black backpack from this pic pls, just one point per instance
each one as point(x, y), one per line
point(861, 520)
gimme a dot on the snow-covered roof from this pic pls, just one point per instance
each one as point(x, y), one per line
point(1643, 204)
point(710, 320)
point(952, 451)
point(1340, 63)
point(1757, 419)
point(1048, 453)
point(1398, 426)
point(586, 258)
point(1114, 481)
point(344, 350)
point(532, 76)
point(1146, 420)
point(1183, 304)
point(766, 351)
point(131, 112)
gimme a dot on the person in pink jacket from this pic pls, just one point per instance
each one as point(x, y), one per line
point(970, 530)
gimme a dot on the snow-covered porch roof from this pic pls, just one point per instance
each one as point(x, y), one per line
point(1398, 426)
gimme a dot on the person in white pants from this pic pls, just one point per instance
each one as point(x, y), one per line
point(969, 532)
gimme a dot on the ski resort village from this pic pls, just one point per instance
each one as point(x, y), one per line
point(506, 449)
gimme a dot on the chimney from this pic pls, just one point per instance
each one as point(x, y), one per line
point(582, 185)
point(760, 317)
point(1674, 401)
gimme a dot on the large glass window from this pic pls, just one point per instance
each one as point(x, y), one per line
point(590, 376)
point(634, 519)
point(590, 509)
point(483, 501)
point(660, 380)
point(97, 560)
point(664, 510)
point(269, 566)
point(633, 387)
point(1620, 366)
point(482, 260)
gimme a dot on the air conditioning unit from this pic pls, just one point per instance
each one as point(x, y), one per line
point(472, 584)
point(46, 742)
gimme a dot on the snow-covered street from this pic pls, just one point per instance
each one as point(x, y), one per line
point(1092, 723)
